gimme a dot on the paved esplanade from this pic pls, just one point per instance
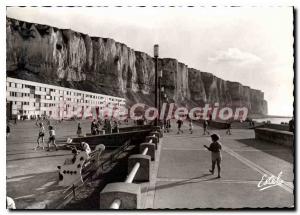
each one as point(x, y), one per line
point(181, 177)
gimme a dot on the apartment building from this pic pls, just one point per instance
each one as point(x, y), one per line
point(27, 99)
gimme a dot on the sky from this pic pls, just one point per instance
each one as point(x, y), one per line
point(251, 45)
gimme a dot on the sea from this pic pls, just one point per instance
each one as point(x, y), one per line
point(275, 120)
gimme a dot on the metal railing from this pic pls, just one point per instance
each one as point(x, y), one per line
point(130, 177)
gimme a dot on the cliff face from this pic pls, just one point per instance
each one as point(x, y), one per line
point(63, 57)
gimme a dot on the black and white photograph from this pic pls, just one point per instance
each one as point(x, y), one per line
point(150, 107)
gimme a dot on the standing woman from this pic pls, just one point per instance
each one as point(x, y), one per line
point(41, 135)
point(51, 138)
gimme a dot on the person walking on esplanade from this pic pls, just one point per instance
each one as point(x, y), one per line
point(99, 126)
point(216, 156)
point(109, 126)
point(205, 127)
point(191, 126)
point(168, 125)
point(94, 127)
point(228, 127)
point(115, 127)
point(79, 130)
point(51, 138)
point(41, 135)
point(292, 125)
point(7, 130)
point(179, 123)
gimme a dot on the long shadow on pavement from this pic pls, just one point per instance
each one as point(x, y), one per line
point(279, 151)
point(41, 156)
point(179, 183)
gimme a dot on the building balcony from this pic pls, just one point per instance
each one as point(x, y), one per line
point(19, 90)
point(49, 101)
point(42, 93)
point(17, 99)
point(27, 107)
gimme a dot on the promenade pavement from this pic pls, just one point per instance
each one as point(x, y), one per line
point(181, 177)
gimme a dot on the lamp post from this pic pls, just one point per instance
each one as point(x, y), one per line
point(156, 49)
point(161, 98)
point(159, 92)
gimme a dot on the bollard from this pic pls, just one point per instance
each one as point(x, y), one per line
point(143, 173)
point(151, 149)
point(128, 194)
point(159, 130)
point(156, 128)
point(156, 133)
point(102, 132)
point(155, 140)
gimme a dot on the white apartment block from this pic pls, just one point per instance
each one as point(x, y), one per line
point(32, 99)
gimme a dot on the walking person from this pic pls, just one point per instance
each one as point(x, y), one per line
point(94, 127)
point(179, 123)
point(205, 127)
point(216, 156)
point(292, 125)
point(168, 125)
point(165, 125)
point(7, 130)
point(99, 124)
point(51, 138)
point(228, 127)
point(40, 136)
point(115, 127)
point(107, 126)
point(191, 126)
point(79, 130)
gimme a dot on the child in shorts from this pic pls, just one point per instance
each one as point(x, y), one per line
point(216, 156)
point(51, 138)
point(41, 135)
